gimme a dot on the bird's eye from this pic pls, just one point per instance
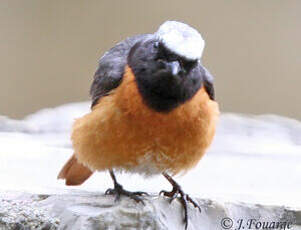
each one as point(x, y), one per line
point(156, 44)
point(188, 65)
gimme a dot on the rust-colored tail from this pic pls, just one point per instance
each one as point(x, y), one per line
point(74, 173)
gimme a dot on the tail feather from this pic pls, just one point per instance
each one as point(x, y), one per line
point(74, 173)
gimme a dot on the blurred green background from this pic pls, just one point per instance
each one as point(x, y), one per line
point(49, 49)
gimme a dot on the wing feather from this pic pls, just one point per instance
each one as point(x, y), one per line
point(111, 66)
point(208, 83)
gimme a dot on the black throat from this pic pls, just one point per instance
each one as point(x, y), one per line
point(161, 90)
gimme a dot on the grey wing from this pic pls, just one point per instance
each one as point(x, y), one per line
point(111, 66)
point(208, 82)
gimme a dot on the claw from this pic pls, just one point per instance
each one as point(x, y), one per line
point(163, 192)
point(141, 193)
point(109, 191)
point(184, 198)
point(172, 195)
point(195, 204)
point(118, 191)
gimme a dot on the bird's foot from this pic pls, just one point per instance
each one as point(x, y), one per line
point(118, 190)
point(177, 192)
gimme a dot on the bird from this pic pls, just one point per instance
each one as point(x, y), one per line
point(153, 112)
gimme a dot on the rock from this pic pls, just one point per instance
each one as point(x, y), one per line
point(252, 170)
point(24, 211)
point(94, 211)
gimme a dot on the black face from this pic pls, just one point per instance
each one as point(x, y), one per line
point(165, 80)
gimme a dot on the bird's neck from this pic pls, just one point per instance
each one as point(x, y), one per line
point(129, 100)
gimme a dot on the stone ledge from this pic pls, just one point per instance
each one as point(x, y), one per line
point(85, 210)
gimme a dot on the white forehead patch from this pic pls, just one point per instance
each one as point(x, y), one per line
point(181, 39)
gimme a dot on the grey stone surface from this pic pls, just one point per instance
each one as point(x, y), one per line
point(94, 211)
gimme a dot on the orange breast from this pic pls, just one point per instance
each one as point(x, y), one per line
point(123, 133)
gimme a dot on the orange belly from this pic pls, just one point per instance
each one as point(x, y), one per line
point(123, 133)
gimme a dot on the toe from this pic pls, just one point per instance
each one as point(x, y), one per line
point(184, 204)
point(117, 197)
point(141, 193)
point(163, 192)
point(137, 199)
point(194, 203)
point(109, 191)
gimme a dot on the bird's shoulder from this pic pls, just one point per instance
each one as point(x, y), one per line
point(111, 67)
point(208, 82)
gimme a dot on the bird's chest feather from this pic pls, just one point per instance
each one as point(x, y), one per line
point(122, 132)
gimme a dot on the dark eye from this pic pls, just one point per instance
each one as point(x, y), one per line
point(188, 65)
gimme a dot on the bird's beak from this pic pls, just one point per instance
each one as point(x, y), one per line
point(174, 67)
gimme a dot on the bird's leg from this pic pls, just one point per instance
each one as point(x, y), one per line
point(118, 191)
point(184, 198)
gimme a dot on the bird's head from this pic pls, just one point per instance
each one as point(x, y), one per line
point(166, 65)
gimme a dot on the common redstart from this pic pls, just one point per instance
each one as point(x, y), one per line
point(153, 112)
